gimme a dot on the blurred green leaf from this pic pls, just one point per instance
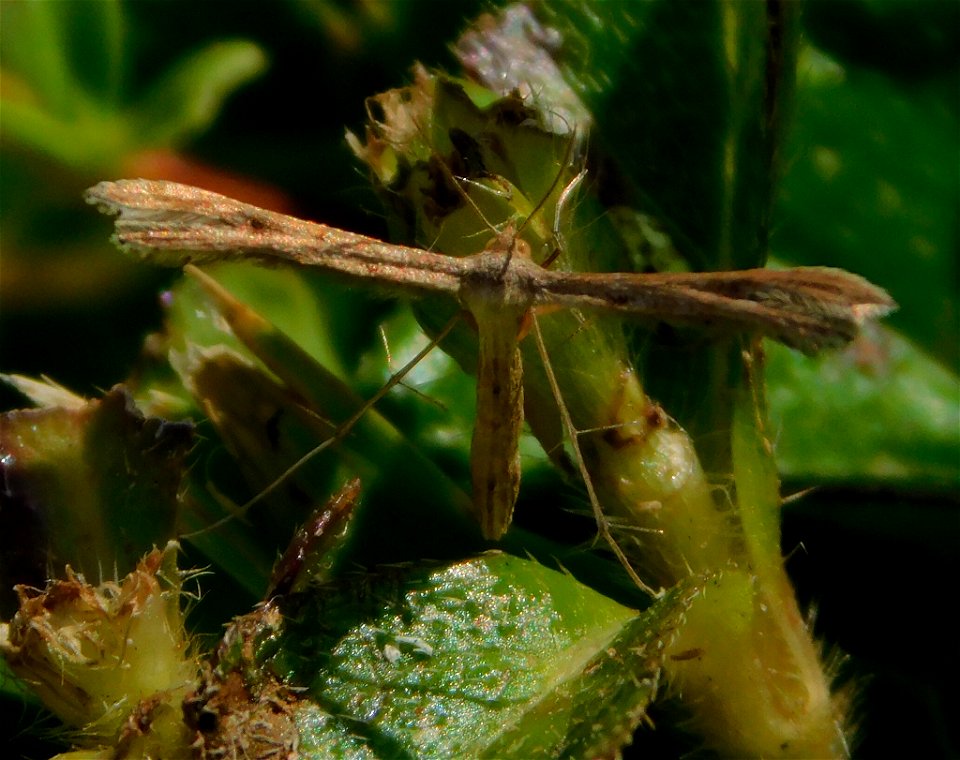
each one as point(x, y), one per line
point(94, 487)
point(272, 403)
point(873, 187)
point(906, 40)
point(64, 50)
point(697, 147)
point(879, 412)
point(65, 100)
point(189, 96)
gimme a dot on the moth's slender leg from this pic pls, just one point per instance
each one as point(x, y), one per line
point(410, 388)
point(603, 525)
point(224, 299)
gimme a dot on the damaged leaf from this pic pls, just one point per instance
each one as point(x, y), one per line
point(92, 486)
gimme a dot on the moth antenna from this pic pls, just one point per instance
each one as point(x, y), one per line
point(559, 244)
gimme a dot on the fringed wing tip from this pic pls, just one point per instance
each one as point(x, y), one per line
point(144, 218)
point(841, 303)
point(107, 198)
point(139, 196)
point(869, 312)
point(101, 195)
point(879, 306)
point(867, 301)
point(837, 333)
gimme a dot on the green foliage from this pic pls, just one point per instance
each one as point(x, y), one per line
point(493, 657)
point(69, 100)
point(105, 480)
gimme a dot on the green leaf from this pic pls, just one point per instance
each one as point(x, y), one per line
point(34, 46)
point(907, 41)
point(63, 64)
point(189, 96)
point(678, 95)
point(92, 486)
point(272, 403)
point(87, 142)
point(492, 657)
point(69, 53)
point(881, 411)
point(886, 410)
point(873, 187)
